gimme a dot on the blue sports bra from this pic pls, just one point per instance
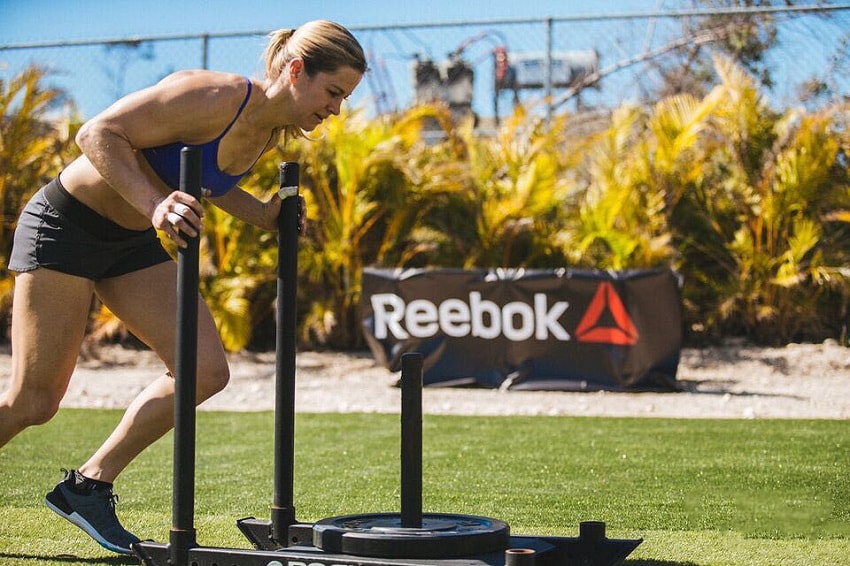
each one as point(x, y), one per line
point(165, 160)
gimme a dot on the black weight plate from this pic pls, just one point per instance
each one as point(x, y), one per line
point(381, 535)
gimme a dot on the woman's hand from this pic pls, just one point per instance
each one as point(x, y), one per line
point(273, 211)
point(178, 212)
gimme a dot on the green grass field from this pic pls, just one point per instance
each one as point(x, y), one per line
point(699, 492)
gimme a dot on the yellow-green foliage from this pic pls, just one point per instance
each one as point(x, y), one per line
point(36, 138)
point(749, 202)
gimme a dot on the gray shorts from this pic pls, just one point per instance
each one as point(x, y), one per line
point(56, 231)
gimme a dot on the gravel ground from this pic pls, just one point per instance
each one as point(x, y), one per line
point(734, 381)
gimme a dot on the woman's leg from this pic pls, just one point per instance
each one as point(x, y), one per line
point(146, 301)
point(49, 315)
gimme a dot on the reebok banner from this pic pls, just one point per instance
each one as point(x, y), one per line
point(556, 329)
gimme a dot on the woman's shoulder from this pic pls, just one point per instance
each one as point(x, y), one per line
point(203, 79)
point(215, 91)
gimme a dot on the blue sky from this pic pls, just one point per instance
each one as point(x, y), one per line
point(53, 20)
point(83, 73)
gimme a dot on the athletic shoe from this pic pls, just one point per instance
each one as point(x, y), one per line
point(91, 508)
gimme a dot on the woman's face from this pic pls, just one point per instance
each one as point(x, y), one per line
point(321, 95)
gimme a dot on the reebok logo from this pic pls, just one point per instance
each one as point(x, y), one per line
point(477, 317)
point(589, 330)
point(516, 321)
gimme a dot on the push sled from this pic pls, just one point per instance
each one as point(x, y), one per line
point(408, 538)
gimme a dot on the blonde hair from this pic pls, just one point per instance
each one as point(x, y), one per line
point(324, 47)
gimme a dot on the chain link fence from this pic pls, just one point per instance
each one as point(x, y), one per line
point(549, 64)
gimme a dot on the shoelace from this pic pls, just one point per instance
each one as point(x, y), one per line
point(113, 499)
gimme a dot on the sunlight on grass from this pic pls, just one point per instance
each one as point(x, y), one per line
point(700, 492)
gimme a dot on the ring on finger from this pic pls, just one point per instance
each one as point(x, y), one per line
point(173, 218)
point(181, 209)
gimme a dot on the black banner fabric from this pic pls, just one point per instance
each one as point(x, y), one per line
point(528, 328)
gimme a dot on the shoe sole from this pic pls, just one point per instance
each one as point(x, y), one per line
point(80, 522)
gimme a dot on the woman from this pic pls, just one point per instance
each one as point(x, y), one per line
point(91, 231)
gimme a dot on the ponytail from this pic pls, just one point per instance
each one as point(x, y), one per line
point(276, 55)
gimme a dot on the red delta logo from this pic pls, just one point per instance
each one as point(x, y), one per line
point(623, 333)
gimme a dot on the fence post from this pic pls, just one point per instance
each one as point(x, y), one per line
point(205, 51)
point(548, 72)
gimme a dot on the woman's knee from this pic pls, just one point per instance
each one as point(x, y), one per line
point(33, 408)
point(212, 377)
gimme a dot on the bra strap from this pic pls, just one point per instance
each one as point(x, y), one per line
point(241, 108)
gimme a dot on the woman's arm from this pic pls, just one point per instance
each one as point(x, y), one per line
point(245, 206)
point(192, 107)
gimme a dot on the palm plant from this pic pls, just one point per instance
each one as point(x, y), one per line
point(380, 193)
point(836, 226)
point(634, 174)
point(421, 191)
point(34, 145)
point(512, 190)
point(770, 181)
point(238, 264)
point(336, 167)
point(617, 218)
